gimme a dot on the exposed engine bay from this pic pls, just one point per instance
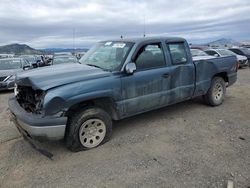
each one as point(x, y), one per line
point(30, 100)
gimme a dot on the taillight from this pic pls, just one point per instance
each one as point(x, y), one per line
point(235, 67)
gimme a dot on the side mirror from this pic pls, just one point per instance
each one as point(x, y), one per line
point(26, 67)
point(130, 68)
point(216, 55)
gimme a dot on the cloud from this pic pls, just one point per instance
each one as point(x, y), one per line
point(52, 23)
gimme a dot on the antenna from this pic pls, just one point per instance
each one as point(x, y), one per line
point(74, 33)
point(144, 27)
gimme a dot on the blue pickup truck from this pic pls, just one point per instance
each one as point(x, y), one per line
point(116, 79)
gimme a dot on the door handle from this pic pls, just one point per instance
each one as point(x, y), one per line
point(166, 75)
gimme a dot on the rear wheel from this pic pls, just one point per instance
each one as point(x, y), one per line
point(216, 92)
point(87, 129)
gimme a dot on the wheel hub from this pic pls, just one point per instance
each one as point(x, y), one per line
point(92, 132)
point(218, 91)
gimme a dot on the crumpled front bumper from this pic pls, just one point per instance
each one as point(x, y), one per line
point(36, 126)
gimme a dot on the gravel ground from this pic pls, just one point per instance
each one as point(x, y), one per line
point(184, 145)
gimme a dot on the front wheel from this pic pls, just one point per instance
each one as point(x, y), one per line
point(87, 129)
point(216, 92)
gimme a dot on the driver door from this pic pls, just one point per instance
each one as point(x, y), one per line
point(143, 90)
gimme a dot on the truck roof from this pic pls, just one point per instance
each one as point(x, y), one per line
point(145, 39)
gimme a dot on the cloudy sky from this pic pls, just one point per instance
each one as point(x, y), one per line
point(48, 23)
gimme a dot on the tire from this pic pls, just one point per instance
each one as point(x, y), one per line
point(216, 92)
point(87, 129)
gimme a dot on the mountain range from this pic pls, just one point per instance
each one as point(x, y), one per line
point(53, 50)
point(226, 42)
point(19, 49)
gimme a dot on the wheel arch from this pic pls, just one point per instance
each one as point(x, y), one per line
point(106, 103)
point(222, 75)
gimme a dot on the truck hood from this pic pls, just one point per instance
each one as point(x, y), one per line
point(241, 57)
point(53, 76)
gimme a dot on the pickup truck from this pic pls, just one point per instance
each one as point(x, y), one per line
point(116, 79)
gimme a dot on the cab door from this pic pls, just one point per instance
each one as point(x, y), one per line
point(182, 72)
point(143, 90)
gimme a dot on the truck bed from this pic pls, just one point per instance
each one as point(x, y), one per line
point(207, 68)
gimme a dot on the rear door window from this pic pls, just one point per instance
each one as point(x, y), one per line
point(178, 53)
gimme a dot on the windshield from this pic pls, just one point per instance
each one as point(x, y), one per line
point(196, 52)
point(31, 59)
point(246, 51)
point(64, 59)
point(6, 64)
point(107, 55)
point(226, 52)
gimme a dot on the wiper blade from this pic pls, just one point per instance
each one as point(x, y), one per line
point(98, 67)
point(94, 66)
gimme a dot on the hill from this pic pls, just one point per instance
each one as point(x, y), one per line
point(19, 49)
point(53, 50)
point(224, 42)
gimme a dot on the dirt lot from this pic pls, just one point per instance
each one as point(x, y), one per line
point(185, 145)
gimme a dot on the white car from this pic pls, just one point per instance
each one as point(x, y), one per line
point(224, 52)
point(198, 54)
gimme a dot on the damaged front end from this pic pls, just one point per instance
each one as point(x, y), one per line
point(29, 99)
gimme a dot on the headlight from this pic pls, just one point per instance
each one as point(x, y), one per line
point(39, 99)
point(10, 78)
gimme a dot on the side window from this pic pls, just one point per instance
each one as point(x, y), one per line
point(178, 53)
point(211, 52)
point(150, 56)
point(239, 52)
point(26, 62)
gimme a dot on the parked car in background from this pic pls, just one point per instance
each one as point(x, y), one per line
point(62, 53)
point(32, 59)
point(242, 60)
point(199, 54)
point(242, 51)
point(64, 59)
point(8, 68)
point(2, 56)
point(80, 54)
point(200, 47)
point(245, 46)
point(116, 79)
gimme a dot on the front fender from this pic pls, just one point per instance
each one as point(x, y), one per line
point(87, 96)
point(60, 99)
point(57, 104)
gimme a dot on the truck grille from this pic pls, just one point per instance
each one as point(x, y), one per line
point(29, 99)
point(243, 62)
